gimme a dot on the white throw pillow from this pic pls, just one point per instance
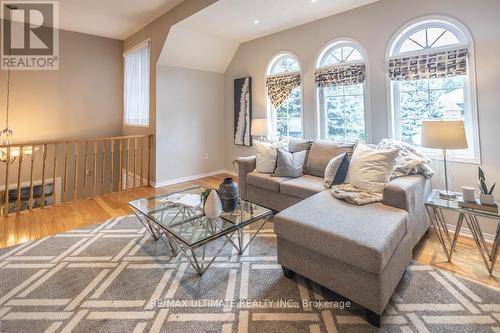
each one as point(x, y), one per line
point(371, 169)
point(266, 155)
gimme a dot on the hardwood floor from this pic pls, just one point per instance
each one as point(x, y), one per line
point(16, 229)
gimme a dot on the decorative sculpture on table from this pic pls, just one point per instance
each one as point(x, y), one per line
point(212, 206)
point(243, 111)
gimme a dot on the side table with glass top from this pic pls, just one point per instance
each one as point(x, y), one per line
point(436, 207)
point(178, 220)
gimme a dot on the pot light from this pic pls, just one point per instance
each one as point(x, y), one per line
point(256, 22)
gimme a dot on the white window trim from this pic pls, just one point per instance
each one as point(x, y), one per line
point(320, 117)
point(145, 43)
point(269, 106)
point(461, 30)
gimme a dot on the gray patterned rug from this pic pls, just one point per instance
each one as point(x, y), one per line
point(113, 277)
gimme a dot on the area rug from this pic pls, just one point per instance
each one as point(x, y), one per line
point(114, 277)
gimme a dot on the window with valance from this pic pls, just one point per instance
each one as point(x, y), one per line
point(340, 79)
point(284, 90)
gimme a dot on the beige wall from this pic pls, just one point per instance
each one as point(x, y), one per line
point(157, 32)
point(373, 26)
point(190, 123)
point(81, 99)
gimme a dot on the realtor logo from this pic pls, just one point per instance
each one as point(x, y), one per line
point(30, 35)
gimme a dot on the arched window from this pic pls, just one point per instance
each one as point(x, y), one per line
point(340, 78)
point(431, 71)
point(285, 96)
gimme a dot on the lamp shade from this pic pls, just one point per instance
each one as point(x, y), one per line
point(444, 134)
point(259, 127)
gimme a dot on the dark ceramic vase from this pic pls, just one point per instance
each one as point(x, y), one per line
point(228, 193)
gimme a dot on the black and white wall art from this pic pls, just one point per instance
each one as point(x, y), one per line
point(243, 111)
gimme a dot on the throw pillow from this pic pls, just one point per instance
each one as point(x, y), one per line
point(295, 145)
point(266, 155)
point(290, 164)
point(371, 169)
point(336, 170)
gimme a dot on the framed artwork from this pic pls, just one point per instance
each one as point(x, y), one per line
point(243, 111)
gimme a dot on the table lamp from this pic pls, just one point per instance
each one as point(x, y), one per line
point(444, 134)
point(260, 128)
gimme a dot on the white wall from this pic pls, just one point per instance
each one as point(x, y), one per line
point(373, 26)
point(189, 123)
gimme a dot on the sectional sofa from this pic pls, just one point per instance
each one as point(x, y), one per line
point(359, 252)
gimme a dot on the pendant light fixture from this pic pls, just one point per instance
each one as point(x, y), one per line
point(7, 134)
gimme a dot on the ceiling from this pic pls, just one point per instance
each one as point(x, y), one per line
point(209, 39)
point(116, 19)
point(234, 19)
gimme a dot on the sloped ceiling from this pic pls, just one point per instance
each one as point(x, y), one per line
point(209, 39)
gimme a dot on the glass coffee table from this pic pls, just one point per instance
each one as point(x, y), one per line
point(178, 220)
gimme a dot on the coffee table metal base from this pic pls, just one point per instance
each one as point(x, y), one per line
point(197, 254)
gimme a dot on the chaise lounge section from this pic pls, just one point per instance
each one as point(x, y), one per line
point(359, 252)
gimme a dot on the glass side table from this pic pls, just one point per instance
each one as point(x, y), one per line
point(435, 208)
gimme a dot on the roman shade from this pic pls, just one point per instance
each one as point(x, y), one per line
point(280, 87)
point(435, 65)
point(340, 75)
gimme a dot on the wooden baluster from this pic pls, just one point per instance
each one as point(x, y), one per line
point(6, 194)
point(85, 169)
point(54, 175)
point(65, 181)
point(127, 163)
point(19, 169)
point(134, 159)
point(43, 174)
point(94, 173)
point(32, 162)
point(75, 172)
point(120, 172)
point(111, 165)
point(150, 143)
point(103, 156)
point(142, 160)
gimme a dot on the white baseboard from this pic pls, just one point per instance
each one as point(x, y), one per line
point(466, 232)
point(193, 177)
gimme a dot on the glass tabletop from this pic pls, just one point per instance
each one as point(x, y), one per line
point(435, 201)
point(181, 214)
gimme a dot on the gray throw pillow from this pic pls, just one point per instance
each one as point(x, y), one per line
point(336, 170)
point(290, 164)
point(296, 145)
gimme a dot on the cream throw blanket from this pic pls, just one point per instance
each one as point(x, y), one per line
point(410, 162)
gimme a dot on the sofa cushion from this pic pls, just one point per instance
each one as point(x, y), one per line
point(289, 164)
point(321, 153)
point(302, 187)
point(295, 145)
point(265, 181)
point(361, 236)
point(336, 170)
point(266, 155)
point(370, 169)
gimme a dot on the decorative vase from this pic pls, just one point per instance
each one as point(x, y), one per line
point(213, 206)
point(487, 199)
point(228, 192)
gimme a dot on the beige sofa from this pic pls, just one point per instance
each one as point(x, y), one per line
point(360, 252)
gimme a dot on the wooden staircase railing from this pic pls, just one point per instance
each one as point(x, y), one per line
point(37, 174)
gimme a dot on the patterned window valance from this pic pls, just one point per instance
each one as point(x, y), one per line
point(429, 66)
point(340, 75)
point(279, 88)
